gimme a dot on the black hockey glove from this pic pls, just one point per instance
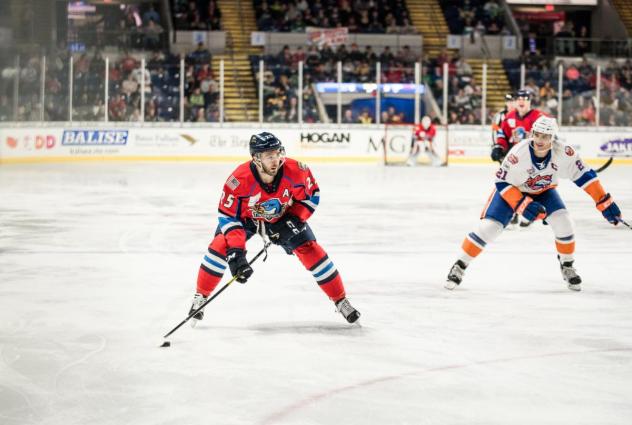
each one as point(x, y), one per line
point(285, 229)
point(236, 259)
point(498, 153)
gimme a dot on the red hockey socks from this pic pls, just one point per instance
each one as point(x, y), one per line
point(315, 259)
point(212, 267)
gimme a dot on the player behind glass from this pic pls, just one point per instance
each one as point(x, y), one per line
point(500, 116)
point(424, 134)
point(526, 183)
point(275, 195)
point(516, 125)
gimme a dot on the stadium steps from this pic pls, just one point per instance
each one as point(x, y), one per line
point(427, 17)
point(624, 8)
point(497, 81)
point(240, 95)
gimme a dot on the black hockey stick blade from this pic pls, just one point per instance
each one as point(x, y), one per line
point(194, 312)
point(625, 223)
point(606, 165)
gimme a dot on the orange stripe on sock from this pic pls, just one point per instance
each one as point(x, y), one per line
point(565, 248)
point(595, 190)
point(470, 249)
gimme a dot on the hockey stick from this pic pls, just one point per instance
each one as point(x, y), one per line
point(606, 165)
point(622, 221)
point(193, 313)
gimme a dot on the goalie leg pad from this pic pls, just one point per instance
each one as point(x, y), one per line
point(315, 259)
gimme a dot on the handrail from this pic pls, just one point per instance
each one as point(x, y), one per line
point(511, 21)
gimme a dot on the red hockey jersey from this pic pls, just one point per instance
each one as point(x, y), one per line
point(246, 197)
point(422, 134)
point(516, 128)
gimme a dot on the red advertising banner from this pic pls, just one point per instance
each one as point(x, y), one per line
point(330, 36)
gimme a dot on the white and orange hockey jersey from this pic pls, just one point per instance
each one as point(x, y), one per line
point(522, 173)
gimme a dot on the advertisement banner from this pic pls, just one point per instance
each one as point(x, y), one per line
point(468, 144)
point(330, 36)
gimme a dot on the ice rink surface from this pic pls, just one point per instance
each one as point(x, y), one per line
point(98, 261)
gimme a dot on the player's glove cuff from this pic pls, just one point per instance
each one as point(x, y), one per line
point(609, 209)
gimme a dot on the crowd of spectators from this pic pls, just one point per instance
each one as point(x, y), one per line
point(203, 15)
point(320, 65)
point(474, 16)
point(127, 26)
point(359, 16)
point(464, 91)
point(579, 83)
point(161, 81)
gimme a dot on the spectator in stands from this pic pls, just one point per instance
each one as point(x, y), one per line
point(117, 108)
point(364, 117)
point(151, 15)
point(200, 114)
point(196, 99)
point(347, 117)
point(153, 32)
point(201, 55)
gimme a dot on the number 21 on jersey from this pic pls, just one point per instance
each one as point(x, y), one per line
point(501, 174)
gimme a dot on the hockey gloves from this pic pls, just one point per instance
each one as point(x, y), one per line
point(530, 209)
point(498, 153)
point(285, 229)
point(238, 264)
point(609, 209)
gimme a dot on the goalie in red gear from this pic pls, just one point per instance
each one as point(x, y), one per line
point(274, 196)
point(423, 136)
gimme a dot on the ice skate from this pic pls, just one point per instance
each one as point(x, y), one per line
point(198, 300)
point(345, 308)
point(524, 222)
point(570, 275)
point(456, 275)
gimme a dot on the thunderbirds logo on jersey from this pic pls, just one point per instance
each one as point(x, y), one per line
point(519, 134)
point(267, 210)
point(539, 182)
point(569, 151)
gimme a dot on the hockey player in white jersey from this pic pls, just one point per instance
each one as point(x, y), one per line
point(526, 183)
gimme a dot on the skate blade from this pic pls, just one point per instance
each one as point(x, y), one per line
point(450, 285)
point(194, 322)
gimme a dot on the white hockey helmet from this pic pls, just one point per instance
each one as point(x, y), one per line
point(545, 125)
point(425, 122)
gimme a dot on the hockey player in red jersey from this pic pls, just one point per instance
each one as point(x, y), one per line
point(275, 196)
point(500, 116)
point(424, 134)
point(516, 125)
point(526, 183)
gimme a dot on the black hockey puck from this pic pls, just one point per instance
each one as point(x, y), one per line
point(165, 344)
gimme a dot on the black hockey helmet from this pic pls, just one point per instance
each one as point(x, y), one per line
point(263, 142)
point(524, 93)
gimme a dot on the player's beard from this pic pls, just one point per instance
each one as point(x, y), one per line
point(272, 172)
